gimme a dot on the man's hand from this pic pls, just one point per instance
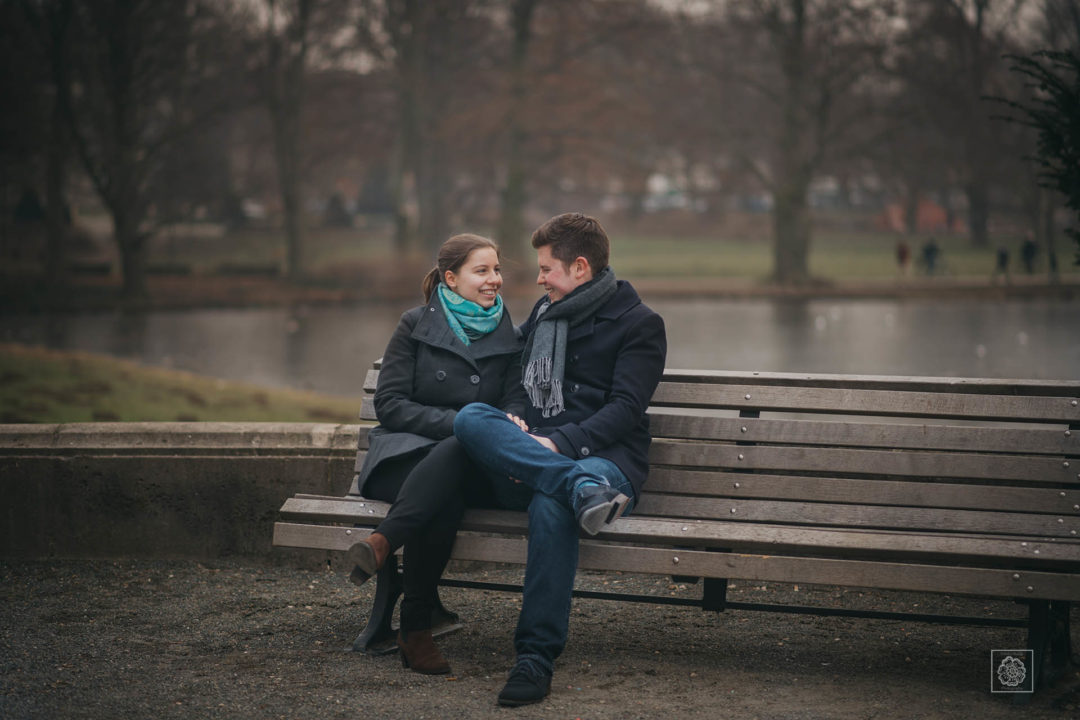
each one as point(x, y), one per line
point(546, 442)
point(518, 421)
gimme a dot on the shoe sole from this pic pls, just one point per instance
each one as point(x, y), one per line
point(362, 557)
point(597, 518)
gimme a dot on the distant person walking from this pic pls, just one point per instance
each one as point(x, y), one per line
point(903, 257)
point(1029, 250)
point(931, 252)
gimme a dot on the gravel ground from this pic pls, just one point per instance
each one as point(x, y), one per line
point(173, 638)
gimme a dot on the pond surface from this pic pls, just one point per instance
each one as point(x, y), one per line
point(329, 349)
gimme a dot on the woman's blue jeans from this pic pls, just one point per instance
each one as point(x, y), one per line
point(500, 446)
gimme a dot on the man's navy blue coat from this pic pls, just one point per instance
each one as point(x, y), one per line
point(614, 361)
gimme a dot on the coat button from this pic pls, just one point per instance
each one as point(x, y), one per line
point(441, 375)
point(573, 358)
point(475, 379)
point(585, 451)
point(575, 387)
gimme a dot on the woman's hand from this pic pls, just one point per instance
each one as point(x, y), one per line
point(546, 442)
point(518, 421)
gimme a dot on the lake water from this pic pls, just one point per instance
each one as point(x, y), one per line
point(330, 348)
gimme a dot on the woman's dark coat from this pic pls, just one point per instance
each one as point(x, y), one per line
point(614, 361)
point(428, 374)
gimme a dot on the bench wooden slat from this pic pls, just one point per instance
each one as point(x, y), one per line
point(697, 563)
point(864, 462)
point(871, 435)
point(734, 535)
point(880, 492)
point(983, 386)
point(866, 516)
point(866, 402)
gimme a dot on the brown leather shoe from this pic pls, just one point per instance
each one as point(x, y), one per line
point(418, 652)
point(366, 557)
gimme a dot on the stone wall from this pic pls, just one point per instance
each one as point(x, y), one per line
point(198, 490)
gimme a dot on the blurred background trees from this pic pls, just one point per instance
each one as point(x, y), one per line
point(427, 117)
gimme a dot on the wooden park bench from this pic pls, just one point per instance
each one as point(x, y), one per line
point(942, 485)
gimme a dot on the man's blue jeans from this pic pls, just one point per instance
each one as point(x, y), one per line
point(501, 447)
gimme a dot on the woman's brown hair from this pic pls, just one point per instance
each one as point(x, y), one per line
point(452, 255)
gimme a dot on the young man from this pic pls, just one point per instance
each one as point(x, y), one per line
point(594, 355)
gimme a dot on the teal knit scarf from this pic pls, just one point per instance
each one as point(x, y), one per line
point(467, 319)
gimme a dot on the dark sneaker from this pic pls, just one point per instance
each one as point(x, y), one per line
point(526, 685)
point(597, 506)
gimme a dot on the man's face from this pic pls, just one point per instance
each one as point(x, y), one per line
point(558, 279)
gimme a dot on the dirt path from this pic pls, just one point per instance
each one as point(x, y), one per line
point(179, 639)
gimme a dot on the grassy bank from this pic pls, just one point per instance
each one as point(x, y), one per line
point(38, 385)
point(841, 250)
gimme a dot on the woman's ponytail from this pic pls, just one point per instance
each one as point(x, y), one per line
point(431, 281)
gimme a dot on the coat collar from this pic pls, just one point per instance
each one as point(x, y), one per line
point(433, 329)
point(624, 299)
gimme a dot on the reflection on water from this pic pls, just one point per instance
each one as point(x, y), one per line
point(330, 348)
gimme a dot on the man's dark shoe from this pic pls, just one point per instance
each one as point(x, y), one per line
point(597, 506)
point(526, 685)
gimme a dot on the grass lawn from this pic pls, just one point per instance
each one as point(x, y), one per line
point(834, 255)
point(47, 386)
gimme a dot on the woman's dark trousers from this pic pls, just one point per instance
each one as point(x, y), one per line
point(429, 490)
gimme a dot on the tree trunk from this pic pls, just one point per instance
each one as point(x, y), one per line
point(132, 246)
point(511, 226)
point(433, 193)
point(911, 209)
point(979, 213)
point(791, 224)
point(791, 240)
point(56, 201)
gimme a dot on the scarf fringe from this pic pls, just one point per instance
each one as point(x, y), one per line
point(545, 392)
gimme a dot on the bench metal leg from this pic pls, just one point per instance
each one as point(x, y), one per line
point(714, 594)
point(379, 636)
point(1050, 642)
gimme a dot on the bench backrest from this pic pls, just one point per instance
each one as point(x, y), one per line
point(948, 455)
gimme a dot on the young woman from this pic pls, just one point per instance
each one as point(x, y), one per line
point(460, 347)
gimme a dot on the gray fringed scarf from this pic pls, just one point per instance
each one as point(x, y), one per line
point(546, 348)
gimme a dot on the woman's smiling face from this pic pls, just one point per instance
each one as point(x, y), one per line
point(479, 277)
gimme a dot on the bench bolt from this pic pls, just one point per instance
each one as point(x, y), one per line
point(732, 511)
point(741, 456)
point(675, 560)
point(742, 429)
point(738, 485)
point(1073, 403)
point(348, 532)
point(747, 396)
point(1016, 576)
point(1066, 463)
point(1030, 589)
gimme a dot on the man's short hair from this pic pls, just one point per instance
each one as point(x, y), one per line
point(574, 235)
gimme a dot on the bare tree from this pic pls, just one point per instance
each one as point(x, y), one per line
point(143, 76)
point(51, 21)
point(952, 61)
point(511, 225)
point(804, 66)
